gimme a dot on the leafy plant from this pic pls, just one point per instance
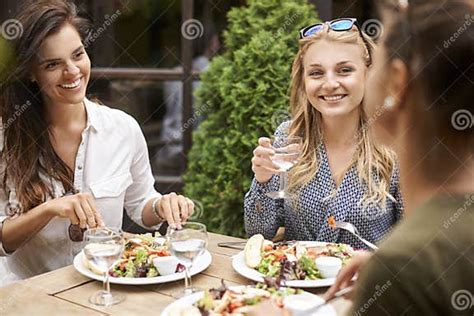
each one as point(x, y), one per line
point(7, 59)
point(241, 92)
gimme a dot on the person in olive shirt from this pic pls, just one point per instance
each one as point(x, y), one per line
point(426, 265)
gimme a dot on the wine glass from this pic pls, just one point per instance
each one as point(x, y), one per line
point(287, 152)
point(187, 243)
point(103, 247)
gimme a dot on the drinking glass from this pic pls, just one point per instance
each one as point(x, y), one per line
point(287, 152)
point(187, 243)
point(103, 247)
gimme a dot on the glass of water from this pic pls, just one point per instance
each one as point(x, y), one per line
point(187, 243)
point(287, 152)
point(103, 247)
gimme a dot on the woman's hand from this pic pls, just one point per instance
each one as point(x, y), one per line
point(175, 209)
point(79, 208)
point(345, 276)
point(262, 165)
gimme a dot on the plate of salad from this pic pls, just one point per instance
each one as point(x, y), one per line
point(237, 300)
point(292, 262)
point(138, 264)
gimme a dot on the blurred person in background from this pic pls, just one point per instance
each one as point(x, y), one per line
point(169, 156)
point(424, 67)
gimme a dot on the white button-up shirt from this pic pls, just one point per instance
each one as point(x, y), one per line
point(112, 163)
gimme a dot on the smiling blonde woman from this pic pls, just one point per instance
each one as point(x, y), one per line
point(342, 172)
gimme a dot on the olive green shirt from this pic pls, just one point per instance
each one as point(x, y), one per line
point(425, 266)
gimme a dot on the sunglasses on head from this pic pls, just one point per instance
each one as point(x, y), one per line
point(338, 25)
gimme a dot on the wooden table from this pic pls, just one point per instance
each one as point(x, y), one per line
point(65, 291)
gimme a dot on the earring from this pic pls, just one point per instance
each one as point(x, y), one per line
point(389, 102)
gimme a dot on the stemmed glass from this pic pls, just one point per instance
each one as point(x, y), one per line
point(103, 247)
point(187, 243)
point(287, 152)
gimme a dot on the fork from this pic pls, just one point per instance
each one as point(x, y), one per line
point(353, 230)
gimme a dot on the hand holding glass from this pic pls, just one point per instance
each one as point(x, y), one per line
point(287, 152)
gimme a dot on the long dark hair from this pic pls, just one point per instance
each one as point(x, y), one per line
point(27, 150)
point(435, 41)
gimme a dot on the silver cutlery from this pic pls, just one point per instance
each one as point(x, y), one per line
point(240, 245)
point(353, 230)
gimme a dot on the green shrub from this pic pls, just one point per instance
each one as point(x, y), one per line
point(7, 59)
point(244, 93)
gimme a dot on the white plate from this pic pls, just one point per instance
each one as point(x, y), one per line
point(175, 307)
point(239, 265)
point(201, 264)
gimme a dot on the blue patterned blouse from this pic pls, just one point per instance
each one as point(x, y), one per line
point(316, 202)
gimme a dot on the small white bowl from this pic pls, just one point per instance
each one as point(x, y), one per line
point(299, 304)
point(328, 266)
point(165, 265)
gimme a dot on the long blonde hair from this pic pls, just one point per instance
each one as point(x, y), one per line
point(374, 164)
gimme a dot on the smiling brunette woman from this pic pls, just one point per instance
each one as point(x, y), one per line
point(67, 163)
point(341, 172)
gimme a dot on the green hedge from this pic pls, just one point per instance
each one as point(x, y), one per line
point(7, 59)
point(244, 96)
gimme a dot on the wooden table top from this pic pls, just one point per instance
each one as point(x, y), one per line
point(65, 291)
